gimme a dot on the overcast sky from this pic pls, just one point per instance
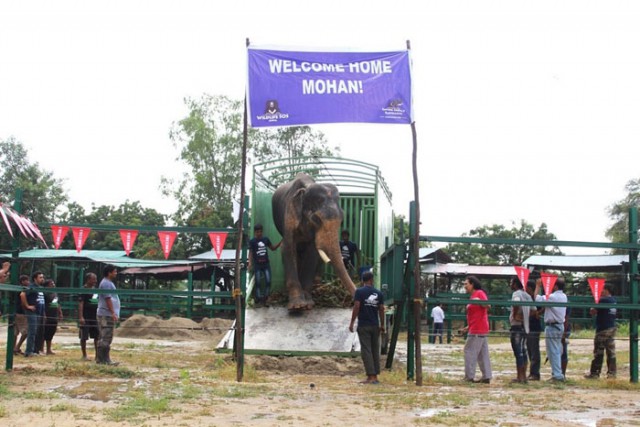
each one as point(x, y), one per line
point(524, 110)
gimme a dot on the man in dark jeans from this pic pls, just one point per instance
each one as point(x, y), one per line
point(33, 305)
point(519, 320)
point(108, 314)
point(604, 340)
point(533, 337)
point(368, 308)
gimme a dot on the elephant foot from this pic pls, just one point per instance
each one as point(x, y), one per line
point(299, 303)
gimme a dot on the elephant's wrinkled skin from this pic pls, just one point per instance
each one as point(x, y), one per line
point(309, 217)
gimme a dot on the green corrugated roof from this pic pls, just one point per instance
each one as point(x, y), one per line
point(117, 258)
point(70, 253)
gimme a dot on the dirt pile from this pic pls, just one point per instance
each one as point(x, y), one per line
point(309, 365)
point(174, 329)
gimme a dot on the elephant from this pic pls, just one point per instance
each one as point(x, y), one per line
point(309, 217)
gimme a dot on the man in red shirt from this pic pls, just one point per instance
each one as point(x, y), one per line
point(476, 348)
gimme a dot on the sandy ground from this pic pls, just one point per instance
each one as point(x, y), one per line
point(181, 381)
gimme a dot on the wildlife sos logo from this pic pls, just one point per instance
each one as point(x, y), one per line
point(394, 109)
point(272, 112)
point(372, 301)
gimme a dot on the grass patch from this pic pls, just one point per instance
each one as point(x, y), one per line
point(68, 369)
point(3, 412)
point(137, 406)
point(64, 407)
point(4, 387)
point(238, 391)
point(37, 395)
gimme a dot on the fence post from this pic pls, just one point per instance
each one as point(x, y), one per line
point(633, 315)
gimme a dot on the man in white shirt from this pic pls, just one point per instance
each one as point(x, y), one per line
point(438, 322)
point(554, 327)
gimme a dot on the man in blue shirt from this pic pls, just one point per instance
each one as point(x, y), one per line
point(605, 339)
point(368, 308)
point(108, 314)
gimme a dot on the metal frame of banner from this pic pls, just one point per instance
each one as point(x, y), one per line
point(414, 281)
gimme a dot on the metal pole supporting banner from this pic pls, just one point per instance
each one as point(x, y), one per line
point(408, 294)
point(417, 296)
point(237, 290)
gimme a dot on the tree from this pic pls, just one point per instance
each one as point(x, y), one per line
point(293, 144)
point(618, 232)
point(146, 246)
point(494, 254)
point(400, 229)
point(500, 254)
point(43, 194)
point(209, 140)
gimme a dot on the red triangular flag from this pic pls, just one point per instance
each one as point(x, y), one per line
point(59, 232)
point(523, 275)
point(6, 220)
point(217, 241)
point(548, 282)
point(596, 285)
point(128, 239)
point(166, 241)
point(80, 235)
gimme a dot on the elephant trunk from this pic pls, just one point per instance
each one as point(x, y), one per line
point(331, 249)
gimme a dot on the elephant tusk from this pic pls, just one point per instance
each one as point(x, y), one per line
point(324, 256)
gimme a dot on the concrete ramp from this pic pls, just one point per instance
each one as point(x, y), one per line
point(319, 331)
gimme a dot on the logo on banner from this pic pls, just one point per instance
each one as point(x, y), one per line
point(59, 232)
point(272, 112)
point(80, 236)
point(596, 285)
point(128, 238)
point(394, 109)
point(217, 241)
point(548, 282)
point(523, 275)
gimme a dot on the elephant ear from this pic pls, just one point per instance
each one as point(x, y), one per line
point(295, 207)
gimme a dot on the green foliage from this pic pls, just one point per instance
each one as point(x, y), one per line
point(43, 194)
point(494, 254)
point(400, 228)
point(618, 232)
point(146, 246)
point(209, 140)
point(4, 388)
point(138, 406)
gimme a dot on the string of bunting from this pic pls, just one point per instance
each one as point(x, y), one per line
point(549, 281)
point(27, 228)
point(128, 237)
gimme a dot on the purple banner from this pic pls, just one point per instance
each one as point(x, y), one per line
point(288, 88)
